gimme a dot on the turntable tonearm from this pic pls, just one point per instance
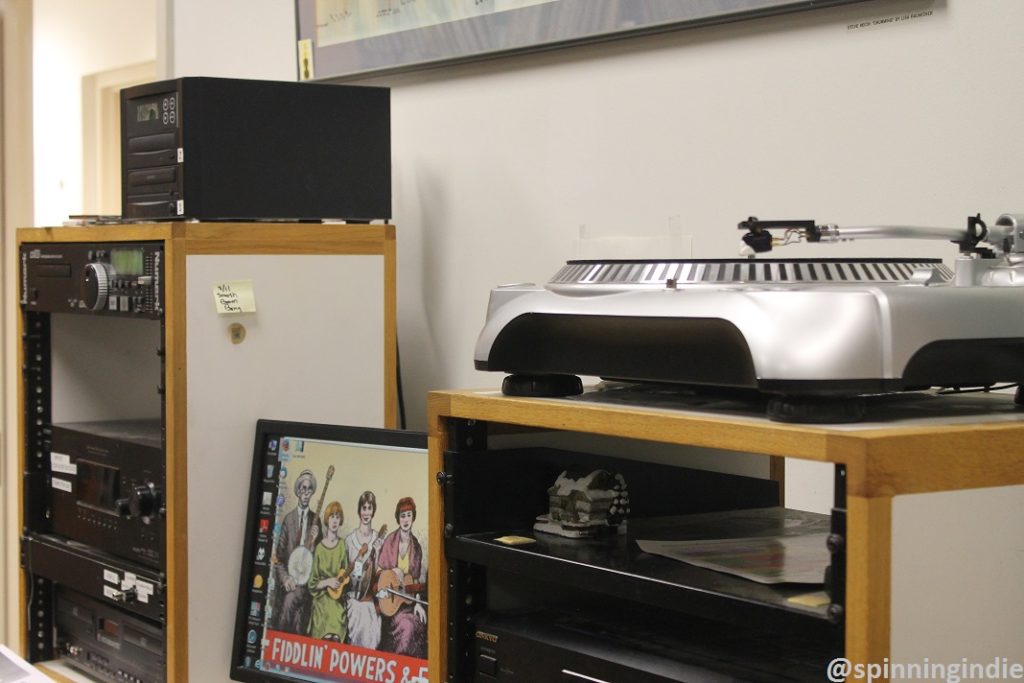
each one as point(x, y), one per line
point(814, 334)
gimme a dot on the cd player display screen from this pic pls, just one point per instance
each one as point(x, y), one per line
point(127, 261)
point(98, 485)
point(148, 111)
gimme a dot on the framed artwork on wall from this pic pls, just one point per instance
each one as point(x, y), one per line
point(346, 38)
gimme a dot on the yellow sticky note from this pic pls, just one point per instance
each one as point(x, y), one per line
point(306, 72)
point(816, 599)
point(234, 296)
point(515, 540)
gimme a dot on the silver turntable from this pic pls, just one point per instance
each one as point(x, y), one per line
point(814, 334)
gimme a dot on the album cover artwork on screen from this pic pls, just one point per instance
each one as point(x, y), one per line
point(343, 541)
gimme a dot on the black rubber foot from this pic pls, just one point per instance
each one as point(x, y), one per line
point(1018, 396)
point(816, 409)
point(542, 386)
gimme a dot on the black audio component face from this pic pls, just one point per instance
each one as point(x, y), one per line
point(151, 176)
point(119, 278)
point(639, 647)
point(107, 485)
point(106, 642)
point(199, 148)
point(110, 580)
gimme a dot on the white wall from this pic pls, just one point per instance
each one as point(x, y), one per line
point(230, 38)
point(938, 539)
point(73, 39)
point(497, 164)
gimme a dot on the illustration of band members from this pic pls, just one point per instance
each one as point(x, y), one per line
point(329, 575)
point(293, 559)
point(363, 545)
point(401, 587)
point(367, 588)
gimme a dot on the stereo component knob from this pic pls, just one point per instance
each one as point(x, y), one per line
point(142, 502)
point(95, 286)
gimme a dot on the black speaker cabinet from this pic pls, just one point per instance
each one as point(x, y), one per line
point(227, 149)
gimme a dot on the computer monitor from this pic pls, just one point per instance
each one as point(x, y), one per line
point(334, 572)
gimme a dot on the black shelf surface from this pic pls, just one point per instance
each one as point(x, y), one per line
point(614, 565)
point(146, 432)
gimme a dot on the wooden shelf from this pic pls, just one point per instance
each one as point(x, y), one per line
point(910, 444)
point(325, 316)
point(939, 443)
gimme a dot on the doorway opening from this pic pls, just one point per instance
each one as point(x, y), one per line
point(101, 135)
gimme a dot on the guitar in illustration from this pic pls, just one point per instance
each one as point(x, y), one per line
point(392, 592)
point(364, 559)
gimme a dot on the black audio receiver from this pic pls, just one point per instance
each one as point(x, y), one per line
point(99, 575)
point(107, 278)
point(228, 149)
point(108, 643)
point(549, 647)
point(106, 487)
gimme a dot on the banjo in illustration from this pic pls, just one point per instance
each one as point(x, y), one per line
point(300, 562)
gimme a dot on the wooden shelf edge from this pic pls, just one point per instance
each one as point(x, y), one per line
point(881, 462)
point(234, 237)
point(649, 424)
point(101, 233)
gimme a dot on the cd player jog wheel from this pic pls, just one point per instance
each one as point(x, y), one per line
point(95, 286)
point(143, 502)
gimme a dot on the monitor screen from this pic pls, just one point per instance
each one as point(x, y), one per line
point(334, 571)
